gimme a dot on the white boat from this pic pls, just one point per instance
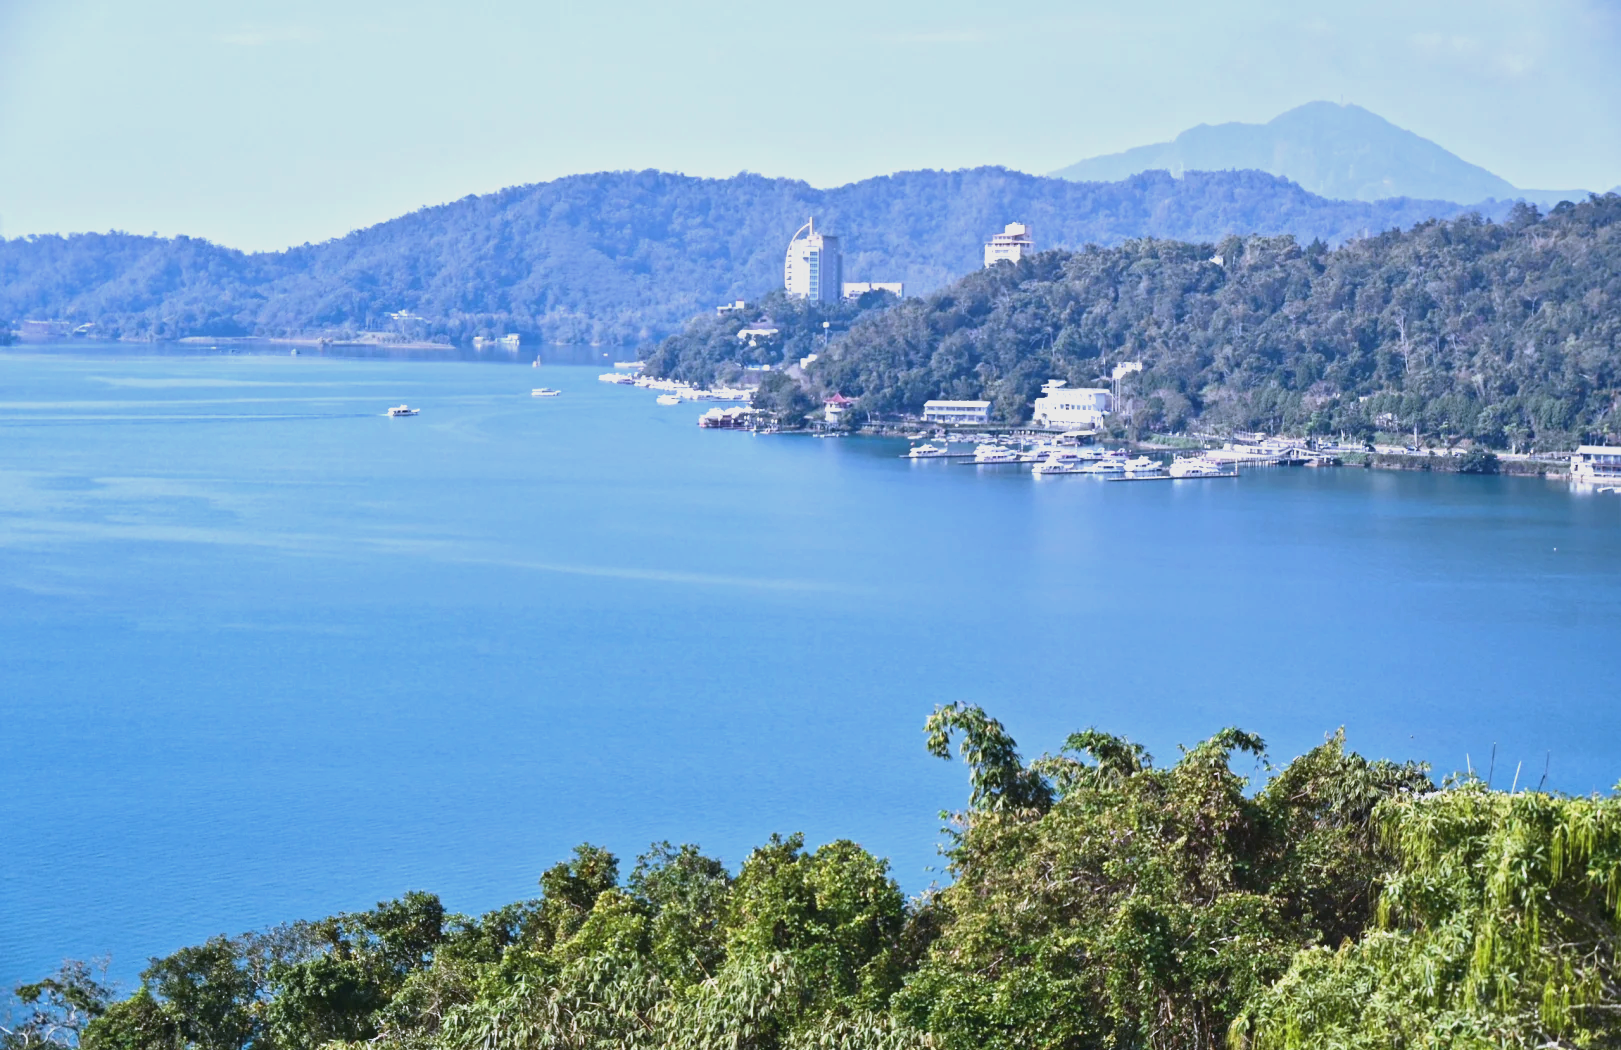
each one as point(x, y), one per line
point(669, 399)
point(1051, 466)
point(544, 391)
point(1105, 467)
point(926, 451)
point(613, 377)
point(1143, 467)
point(990, 452)
point(403, 410)
point(1198, 467)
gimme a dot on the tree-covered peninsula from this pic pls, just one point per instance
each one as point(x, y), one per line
point(1507, 334)
point(1097, 900)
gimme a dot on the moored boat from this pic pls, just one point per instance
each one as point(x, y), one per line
point(926, 451)
point(1198, 467)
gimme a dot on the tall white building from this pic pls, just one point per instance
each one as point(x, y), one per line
point(1012, 244)
point(814, 268)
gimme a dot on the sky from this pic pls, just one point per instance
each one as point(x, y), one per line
point(265, 124)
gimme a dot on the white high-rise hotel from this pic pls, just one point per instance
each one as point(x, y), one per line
point(814, 268)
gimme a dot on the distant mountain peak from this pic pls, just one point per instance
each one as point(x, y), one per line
point(1332, 149)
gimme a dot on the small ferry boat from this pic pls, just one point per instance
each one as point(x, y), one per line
point(403, 410)
point(1198, 467)
point(669, 399)
point(544, 391)
point(926, 451)
point(990, 452)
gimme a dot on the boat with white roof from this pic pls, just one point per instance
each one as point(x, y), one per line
point(927, 451)
point(1198, 467)
point(403, 410)
point(991, 452)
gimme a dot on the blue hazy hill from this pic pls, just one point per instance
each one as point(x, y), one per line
point(619, 257)
point(1342, 152)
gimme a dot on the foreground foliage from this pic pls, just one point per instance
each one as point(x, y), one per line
point(1097, 901)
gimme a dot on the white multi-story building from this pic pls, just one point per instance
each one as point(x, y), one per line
point(814, 268)
point(956, 411)
point(1071, 409)
point(1012, 244)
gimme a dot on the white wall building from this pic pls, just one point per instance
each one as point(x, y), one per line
point(1012, 244)
point(956, 411)
point(1081, 408)
point(856, 289)
point(814, 268)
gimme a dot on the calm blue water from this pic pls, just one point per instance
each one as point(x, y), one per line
point(265, 654)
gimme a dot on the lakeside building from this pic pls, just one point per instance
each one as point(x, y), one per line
point(956, 411)
point(1596, 465)
point(1012, 244)
point(1079, 408)
point(33, 331)
point(856, 289)
point(834, 408)
point(814, 266)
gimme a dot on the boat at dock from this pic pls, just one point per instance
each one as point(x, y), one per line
point(927, 451)
point(990, 452)
point(1108, 466)
point(1199, 467)
point(403, 410)
point(616, 377)
point(1143, 467)
point(1052, 466)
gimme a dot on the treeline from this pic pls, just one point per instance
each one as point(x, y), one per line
point(622, 257)
point(1097, 901)
point(1501, 333)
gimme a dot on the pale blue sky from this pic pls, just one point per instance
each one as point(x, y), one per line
point(261, 124)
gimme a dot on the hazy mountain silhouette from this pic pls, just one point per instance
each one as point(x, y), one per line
point(1342, 152)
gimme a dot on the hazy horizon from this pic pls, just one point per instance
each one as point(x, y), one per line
point(262, 125)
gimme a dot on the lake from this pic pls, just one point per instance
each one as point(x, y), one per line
point(266, 654)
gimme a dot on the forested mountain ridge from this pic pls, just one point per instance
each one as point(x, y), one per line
point(1508, 334)
point(1096, 900)
point(624, 256)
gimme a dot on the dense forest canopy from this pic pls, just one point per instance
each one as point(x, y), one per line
point(1097, 900)
point(626, 256)
point(1505, 334)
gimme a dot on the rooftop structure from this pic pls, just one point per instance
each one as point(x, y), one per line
point(1012, 244)
point(956, 411)
point(729, 308)
point(856, 289)
point(814, 267)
